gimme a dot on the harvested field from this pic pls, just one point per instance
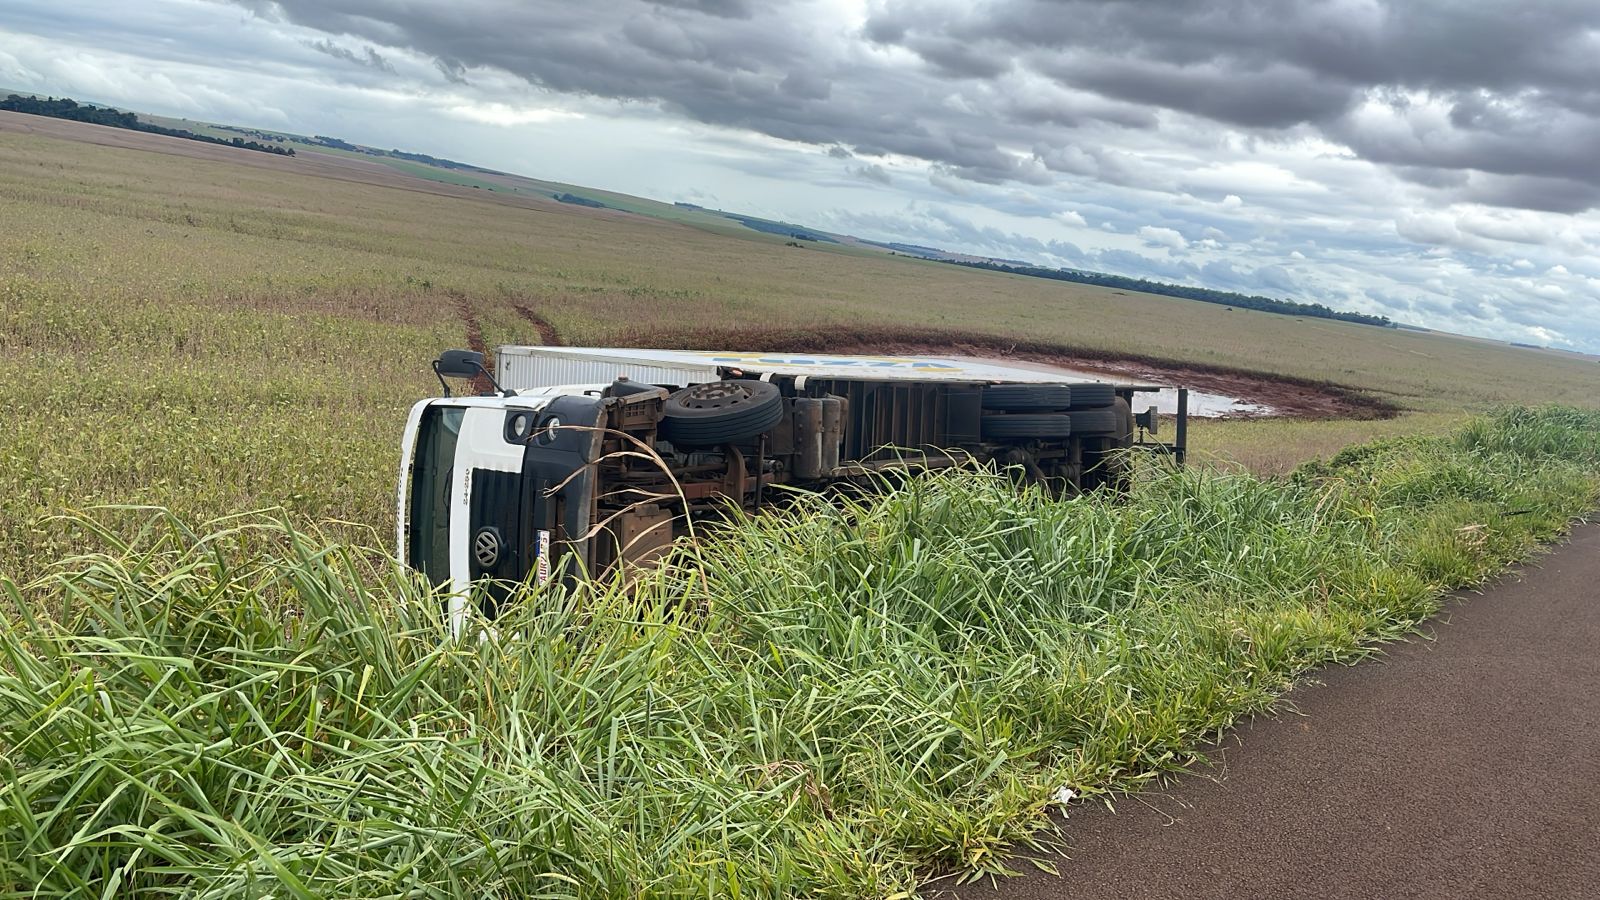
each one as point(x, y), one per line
point(339, 167)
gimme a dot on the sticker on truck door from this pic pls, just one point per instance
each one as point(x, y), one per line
point(542, 567)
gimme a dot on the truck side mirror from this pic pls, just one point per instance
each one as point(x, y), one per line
point(1147, 419)
point(459, 364)
point(464, 364)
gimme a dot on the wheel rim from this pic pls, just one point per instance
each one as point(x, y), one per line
point(715, 395)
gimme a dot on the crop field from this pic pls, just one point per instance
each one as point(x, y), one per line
point(224, 331)
point(220, 333)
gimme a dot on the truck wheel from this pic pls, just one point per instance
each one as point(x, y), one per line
point(1093, 421)
point(1093, 395)
point(720, 412)
point(1027, 397)
point(1025, 425)
point(1124, 411)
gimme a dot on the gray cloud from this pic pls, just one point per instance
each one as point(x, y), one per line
point(873, 172)
point(1432, 88)
point(1560, 195)
point(1273, 96)
point(727, 9)
point(452, 70)
point(370, 57)
point(1505, 45)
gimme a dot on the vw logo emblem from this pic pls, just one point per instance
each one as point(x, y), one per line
point(486, 547)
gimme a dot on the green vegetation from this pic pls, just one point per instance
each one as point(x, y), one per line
point(576, 200)
point(64, 108)
point(834, 701)
point(442, 175)
point(1275, 447)
point(767, 226)
point(1188, 292)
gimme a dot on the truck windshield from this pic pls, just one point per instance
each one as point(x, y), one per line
point(431, 467)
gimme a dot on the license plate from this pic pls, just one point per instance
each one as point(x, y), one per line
point(542, 567)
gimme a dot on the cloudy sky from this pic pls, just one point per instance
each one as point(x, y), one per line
point(1437, 161)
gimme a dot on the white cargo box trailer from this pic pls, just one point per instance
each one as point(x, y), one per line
point(522, 368)
point(586, 460)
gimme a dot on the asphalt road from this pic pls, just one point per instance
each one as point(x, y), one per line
point(1465, 766)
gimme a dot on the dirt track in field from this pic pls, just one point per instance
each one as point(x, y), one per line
point(547, 332)
point(1464, 766)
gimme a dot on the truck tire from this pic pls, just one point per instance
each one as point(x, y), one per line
point(1094, 421)
point(1026, 425)
point(1124, 411)
point(720, 412)
point(1027, 397)
point(1093, 395)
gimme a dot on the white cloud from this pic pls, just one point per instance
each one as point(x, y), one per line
point(1156, 236)
point(505, 115)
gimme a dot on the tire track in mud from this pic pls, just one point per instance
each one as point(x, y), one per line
point(469, 319)
point(548, 336)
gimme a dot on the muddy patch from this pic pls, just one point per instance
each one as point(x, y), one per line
point(1240, 392)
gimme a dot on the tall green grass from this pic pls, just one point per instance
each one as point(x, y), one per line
point(836, 700)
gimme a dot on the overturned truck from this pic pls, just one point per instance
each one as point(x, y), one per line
point(573, 461)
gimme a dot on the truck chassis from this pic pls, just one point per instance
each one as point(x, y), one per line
point(566, 482)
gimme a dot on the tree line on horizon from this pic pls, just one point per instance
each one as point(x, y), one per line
point(1182, 291)
point(65, 108)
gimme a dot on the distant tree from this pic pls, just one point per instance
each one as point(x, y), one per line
point(576, 200)
point(65, 108)
point(1187, 292)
